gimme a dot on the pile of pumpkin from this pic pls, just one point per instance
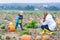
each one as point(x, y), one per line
point(28, 37)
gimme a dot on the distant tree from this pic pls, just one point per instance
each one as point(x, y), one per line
point(32, 7)
point(29, 7)
point(19, 8)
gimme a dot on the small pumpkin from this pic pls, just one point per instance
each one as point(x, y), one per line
point(38, 38)
point(45, 37)
point(28, 22)
point(14, 20)
point(38, 18)
point(31, 18)
point(26, 37)
point(11, 27)
point(58, 21)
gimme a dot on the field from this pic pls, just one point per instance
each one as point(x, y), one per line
point(7, 16)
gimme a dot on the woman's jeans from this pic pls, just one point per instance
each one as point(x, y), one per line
point(45, 26)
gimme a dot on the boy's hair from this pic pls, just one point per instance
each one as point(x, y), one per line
point(21, 11)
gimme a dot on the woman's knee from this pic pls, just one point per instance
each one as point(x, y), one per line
point(42, 27)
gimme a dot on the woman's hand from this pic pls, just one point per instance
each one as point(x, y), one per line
point(43, 20)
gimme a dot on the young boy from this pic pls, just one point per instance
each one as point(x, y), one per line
point(48, 23)
point(19, 20)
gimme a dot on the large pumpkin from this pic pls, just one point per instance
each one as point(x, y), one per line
point(45, 37)
point(11, 27)
point(38, 38)
point(26, 37)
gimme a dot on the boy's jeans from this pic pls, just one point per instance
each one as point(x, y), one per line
point(17, 25)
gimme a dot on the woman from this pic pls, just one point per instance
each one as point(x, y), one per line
point(48, 23)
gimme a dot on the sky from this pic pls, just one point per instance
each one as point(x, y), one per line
point(29, 1)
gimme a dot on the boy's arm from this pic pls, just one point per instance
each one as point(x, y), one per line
point(17, 18)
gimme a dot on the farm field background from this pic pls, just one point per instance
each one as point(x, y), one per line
point(9, 15)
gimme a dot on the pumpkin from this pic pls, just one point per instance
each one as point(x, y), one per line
point(31, 18)
point(26, 37)
point(45, 37)
point(28, 22)
point(38, 18)
point(11, 27)
point(14, 20)
point(58, 21)
point(38, 38)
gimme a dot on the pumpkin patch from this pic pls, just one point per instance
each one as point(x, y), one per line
point(31, 23)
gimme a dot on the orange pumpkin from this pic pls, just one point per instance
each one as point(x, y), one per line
point(38, 38)
point(14, 20)
point(38, 19)
point(58, 21)
point(31, 18)
point(11, 27)
point(45, 37)
point(26, 37)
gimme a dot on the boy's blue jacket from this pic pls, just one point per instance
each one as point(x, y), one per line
point(18, 18)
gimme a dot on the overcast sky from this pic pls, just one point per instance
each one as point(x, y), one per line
point(29, 1)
